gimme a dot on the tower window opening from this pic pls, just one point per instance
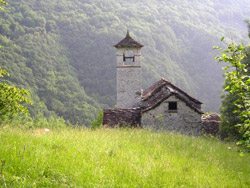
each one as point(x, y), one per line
point(128, 57)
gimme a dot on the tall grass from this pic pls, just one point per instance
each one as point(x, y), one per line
point(81, 157)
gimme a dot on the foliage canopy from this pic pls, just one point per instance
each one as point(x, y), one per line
point(237, 84)
point(11, 97)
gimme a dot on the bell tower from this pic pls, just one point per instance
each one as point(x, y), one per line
point(129, 72)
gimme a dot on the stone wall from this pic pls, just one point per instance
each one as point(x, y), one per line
point(128, 86)
point(210, 124)
point(184, 120)
point(129, 79)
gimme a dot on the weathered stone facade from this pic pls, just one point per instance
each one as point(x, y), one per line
point(183, 120)
point(128, 86)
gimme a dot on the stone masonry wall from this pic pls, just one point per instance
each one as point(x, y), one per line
point(128, 86)
point(185, 120)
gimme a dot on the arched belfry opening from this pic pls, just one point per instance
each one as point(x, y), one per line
point(129, 57)
point(129, 73)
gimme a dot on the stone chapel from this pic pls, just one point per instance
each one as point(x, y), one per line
point(161, 106)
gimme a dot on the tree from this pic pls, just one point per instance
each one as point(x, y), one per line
point(248, 24)
point(2, 2)
point(229, 118)
point(237, 87)
point(11, 98)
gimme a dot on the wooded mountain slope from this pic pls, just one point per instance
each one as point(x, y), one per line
point(62, 51)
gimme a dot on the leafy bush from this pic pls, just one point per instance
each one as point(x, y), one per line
point(27, 122)
point(12, 98)
point(236, 106)
point(98, 122)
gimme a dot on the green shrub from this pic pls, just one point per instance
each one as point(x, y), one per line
point(27, 122)
point(98, 122)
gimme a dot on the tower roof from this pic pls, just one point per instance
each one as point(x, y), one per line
point(128, 42)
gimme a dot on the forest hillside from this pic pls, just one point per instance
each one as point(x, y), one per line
point(62, 50)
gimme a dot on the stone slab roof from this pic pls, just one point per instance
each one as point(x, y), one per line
point(163, 82)
point(163, 89)
point(128, 41)
point(122, 117)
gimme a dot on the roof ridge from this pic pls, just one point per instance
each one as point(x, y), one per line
point(180, 90)
point(157, 103)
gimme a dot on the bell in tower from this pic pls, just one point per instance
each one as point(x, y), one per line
point(129, 73)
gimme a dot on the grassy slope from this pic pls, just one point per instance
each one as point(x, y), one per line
point(118, 158)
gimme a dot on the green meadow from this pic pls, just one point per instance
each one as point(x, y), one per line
point(81, 157)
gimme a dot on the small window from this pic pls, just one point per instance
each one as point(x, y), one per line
point(172, 106)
